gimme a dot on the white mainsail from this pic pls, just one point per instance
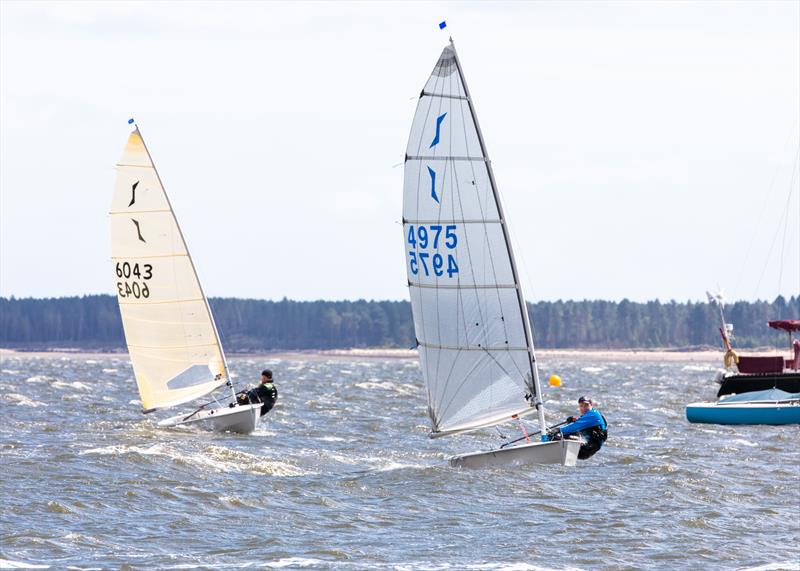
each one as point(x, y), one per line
point(471, 323)
point(169, 329)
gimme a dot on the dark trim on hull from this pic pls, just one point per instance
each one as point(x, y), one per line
point(737, 384)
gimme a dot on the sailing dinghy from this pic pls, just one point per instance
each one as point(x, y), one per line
point(169, 329)
point(473, 335)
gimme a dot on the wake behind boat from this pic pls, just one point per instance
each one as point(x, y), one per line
point(474, 339)
point(169, 329)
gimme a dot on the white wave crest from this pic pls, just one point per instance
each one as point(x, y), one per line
point(9, 564)
point(22, 400)
point(788, 566)
point(74, 385)
point(698, 368)
point(387, 386)
point(214, 458)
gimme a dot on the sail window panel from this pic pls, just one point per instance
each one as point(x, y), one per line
point(155, 368)
point(465, 388)
point(137, 190)
point(471, 319)
point(146, 234)
point(444, 190)
point(443, 128)
point(172, 279)
point(184, 324)
point(445, 78)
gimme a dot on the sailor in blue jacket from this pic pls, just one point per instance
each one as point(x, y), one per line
point(591, 426)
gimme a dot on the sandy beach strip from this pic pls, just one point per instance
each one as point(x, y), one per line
point(543, 355)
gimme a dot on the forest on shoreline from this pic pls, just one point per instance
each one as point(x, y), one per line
point(93, 323)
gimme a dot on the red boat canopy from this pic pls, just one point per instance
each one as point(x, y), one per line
point(787, 324)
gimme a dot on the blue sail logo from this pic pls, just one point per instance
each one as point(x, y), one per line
point(433, 183)
point(439, 120)
point(435, 142)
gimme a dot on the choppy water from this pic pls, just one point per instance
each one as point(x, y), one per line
point(343, 476)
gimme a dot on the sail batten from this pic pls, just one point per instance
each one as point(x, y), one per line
point(476, 351)
point(170, 332)
point(453, 221)
point(463, 286)
point(429, 94)
point(470, 347)
point(445, 158)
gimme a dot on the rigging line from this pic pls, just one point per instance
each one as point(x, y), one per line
point(498, 202)
point(454, 194)
point(466, 240)
point(454, 190)
point(444, 385)
point(482, 209)
point(483, 214)
point(467, 246)
point(786, 225)
point(757, 226)
point(528, 282)
point(457, 391)
point(498, 362)
point(784, 219)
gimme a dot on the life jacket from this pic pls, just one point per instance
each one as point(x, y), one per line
point(595, 438)
point(267, 394)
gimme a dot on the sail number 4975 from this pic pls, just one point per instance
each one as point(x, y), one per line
point(432, 237)
point(133, 272)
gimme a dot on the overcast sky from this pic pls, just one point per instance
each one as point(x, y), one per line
point(643, 149)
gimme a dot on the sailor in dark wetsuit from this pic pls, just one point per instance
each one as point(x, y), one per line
point(265, 393)
point(590, 425)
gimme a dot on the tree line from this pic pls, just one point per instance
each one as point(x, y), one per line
point(247, 325)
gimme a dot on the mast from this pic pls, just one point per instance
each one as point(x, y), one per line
point(191, 261)
point(536, 386)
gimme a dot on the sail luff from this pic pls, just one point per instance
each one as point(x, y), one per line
point(191, 261)
point(536, 387)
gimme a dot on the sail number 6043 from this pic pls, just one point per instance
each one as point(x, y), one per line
point(127, 271)
point(431, 237)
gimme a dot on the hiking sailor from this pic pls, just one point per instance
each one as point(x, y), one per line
point(265, 393)
point(590, 425)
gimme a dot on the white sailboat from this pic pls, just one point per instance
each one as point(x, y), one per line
point(169, 329)
point(473, 335)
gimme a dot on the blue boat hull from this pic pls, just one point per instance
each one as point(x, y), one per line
point(744, 413)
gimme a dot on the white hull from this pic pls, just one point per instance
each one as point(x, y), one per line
point(241, 418)
point(564, 452)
